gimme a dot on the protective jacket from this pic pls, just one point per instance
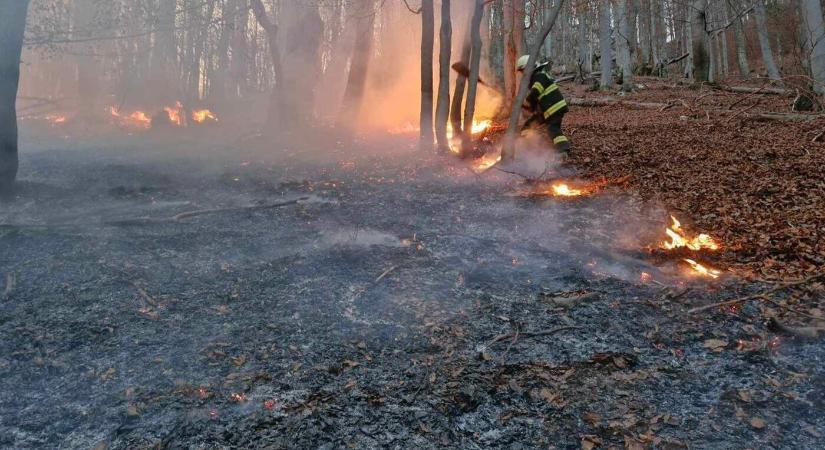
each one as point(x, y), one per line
point(548, 105)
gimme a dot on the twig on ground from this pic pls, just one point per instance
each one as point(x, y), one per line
point(201, 212)
point(765, 296)
point(502, 337)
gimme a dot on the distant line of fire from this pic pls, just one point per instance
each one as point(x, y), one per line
point(169, 115)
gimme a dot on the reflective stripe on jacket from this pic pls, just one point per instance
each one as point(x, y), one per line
point(545, 96)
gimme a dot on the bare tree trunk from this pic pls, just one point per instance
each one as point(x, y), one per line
point(357, 80)
point(460, 87)
point(512, 34)
point(475, 66)
point(508, 151)
point(442, 109)
point(741, 47)
point(12, 25)
point(584, 53)
point(425, 123)
point(701, 56)
point(83, 18)
point(623, 45)
point(271, 30)
point(606, 50)
point(764, 40)
point(815, 35)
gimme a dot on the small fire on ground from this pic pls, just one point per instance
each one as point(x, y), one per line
point(170, 115)
point(680, 240)
point(563, 189)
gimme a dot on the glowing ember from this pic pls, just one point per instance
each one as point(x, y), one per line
point(485, 162)
point(203, 115)
point(645, 277)
point(678, 239)
point(56, 119)
point(174, 113)
point(702, 270)
point(563, 190)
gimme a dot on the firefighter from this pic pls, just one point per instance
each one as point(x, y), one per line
point(546, 104)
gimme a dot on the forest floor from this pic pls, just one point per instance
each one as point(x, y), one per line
point(405, 301)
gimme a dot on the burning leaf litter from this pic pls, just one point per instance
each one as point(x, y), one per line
point(678, 239)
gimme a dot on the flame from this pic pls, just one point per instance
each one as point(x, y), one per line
point(678, 239)
point(563, 190)
point(702, 270)
point(137, 119)
point(479, 126)
point(202, 115)
point(174, 113)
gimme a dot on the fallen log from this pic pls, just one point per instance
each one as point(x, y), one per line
point(752, 90)
point(609, 101)
point(785, 116)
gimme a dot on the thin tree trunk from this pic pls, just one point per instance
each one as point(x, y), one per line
point(606, 48)
point(741, 48)
point(12, 25)
point(460, 87)
point(425, 123)
point(815, 35)
point(357, 80)
point(764, 40)
point(475, 65)
point(508, 150)
point(271, 30)
point(88, 82)
point(442, 109)
point(511, 23)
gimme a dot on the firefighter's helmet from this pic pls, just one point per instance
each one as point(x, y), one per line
point(522, 62)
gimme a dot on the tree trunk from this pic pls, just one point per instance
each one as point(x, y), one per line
point(741, 47)
point(475, 65)
point(511, 38)
point(584, 53)
point(623, 45)
point(88, 81)
point(442, 109)
point(815, 35)
point(460, 86)
point(604, 38)
point(701, 56)
point(425, 123)
point(12, 25)
point(271, 30)
point(764, 40)
point(357, 79)
point(508, 151)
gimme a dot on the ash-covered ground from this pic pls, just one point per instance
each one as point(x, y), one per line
point(403, 302)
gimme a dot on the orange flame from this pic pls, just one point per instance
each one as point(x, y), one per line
point(563, 190)
point(702, 270)
point(678, 239)
point(137, 119)
point(174, 113)
point(202, 115)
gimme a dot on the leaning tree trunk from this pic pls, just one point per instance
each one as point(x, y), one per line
point(604, 39)
point(764, 40)
point(12, 25)
point(701, 56)
point(623, 45)
point(815, 35)
point(425, 123)
point(475, 65)
point(508, 151)
point(442, 109)
point(512, 34)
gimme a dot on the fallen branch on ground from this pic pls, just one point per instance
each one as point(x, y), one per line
point(550, 332)
point(752, 90)
point(764, 296)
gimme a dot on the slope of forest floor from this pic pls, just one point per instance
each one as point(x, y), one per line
point(153, 300)
point(756, 184)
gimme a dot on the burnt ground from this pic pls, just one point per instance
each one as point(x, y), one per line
point(404, 302)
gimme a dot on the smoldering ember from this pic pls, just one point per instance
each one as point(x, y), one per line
point(412, 224)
